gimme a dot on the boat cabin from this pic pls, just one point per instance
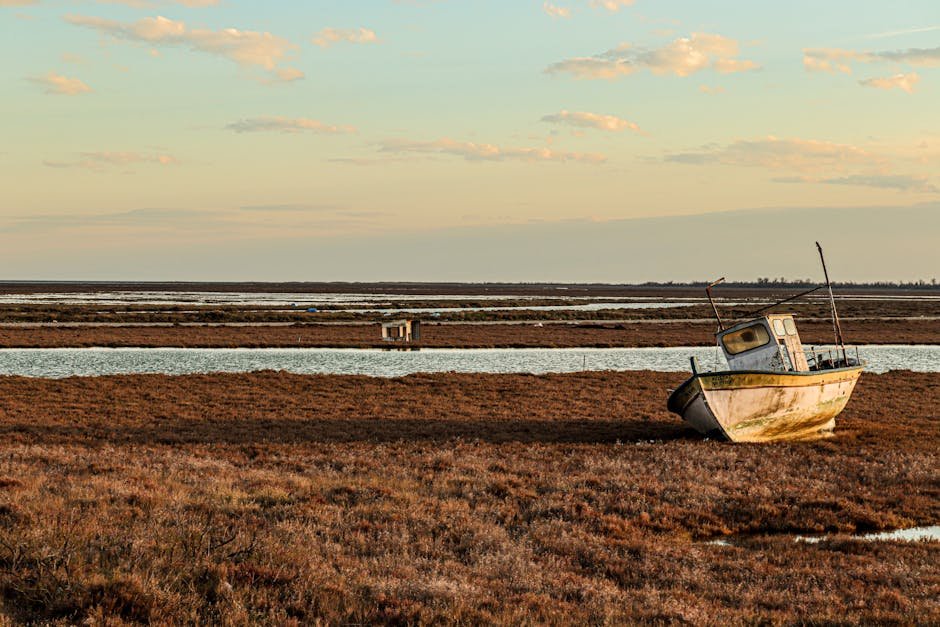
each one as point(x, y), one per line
point(766, 343)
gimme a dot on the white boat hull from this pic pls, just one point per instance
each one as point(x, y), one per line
point(764, 406)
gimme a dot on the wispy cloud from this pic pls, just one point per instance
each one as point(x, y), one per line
point(284, 75)
point(900, 182)
point(584, 119)
point(681, 57)
point(812, 161)
point(146, 4)
point(711, 91)
point(247, 48)
point(472, 151)
point(60, 85)
point(781, 153)
point(329, 36)
point(306, 209)
point(906, 31)
point(372, 161)
point(243, 222)
point(904, 82)
point(840, 60)
point(556, 11)
point(611, 5)
point(280, 124)
point(103, 160)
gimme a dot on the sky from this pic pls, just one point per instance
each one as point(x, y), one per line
point(470, 140)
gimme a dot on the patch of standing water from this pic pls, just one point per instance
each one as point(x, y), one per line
point(913, 534)
point(67, 362)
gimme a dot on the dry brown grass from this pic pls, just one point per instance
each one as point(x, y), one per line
point(455, 335)
point(287, 499)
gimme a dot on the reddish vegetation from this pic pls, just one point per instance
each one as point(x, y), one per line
point(460, 336)
point(463, 309)
point(281, 498)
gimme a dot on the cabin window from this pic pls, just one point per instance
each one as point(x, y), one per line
point(779, 328)
point(746, 339)
point(790, 326)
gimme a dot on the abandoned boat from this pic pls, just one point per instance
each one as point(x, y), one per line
point(773, 389)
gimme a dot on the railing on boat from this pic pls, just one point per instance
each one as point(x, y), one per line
point(826, 359)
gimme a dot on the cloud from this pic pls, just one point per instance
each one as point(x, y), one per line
point(777, 153)
point(839, 60)
point(103, 160)
point(900, 182)
point(707, 89)
point(168, 219)
point(556, 11)
point(280, 124)
point(61, 85)
point(16, 3)
point(907, 31)
point(146, 4)
point(592, 68)
point(288, 208)
point(306, 209)
point(371, 161)
point(732, 66)
point(924, 57)
point(329, 36)
point(611, 5)
point(246, 48)
point(252, 221)
point(584, 119)
point(904, 82)
point(485, 152)
point(681, 57)
point(284, 75)
point(832, 59)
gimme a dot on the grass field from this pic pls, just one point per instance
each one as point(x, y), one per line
point(287, 499)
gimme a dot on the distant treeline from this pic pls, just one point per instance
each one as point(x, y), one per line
point(784, 282)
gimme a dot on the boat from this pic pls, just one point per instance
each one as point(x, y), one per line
point(773, 389)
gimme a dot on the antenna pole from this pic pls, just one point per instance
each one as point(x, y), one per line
point(836, 326)
point(708, 291)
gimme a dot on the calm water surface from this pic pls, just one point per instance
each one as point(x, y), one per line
point(372, 301)
point(65, 362)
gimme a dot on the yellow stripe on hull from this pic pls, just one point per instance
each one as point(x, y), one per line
point(764, 406)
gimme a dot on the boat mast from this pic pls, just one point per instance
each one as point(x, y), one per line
point(708, 291)
point(836, 326)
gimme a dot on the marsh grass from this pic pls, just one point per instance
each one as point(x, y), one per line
point(286, 499)
point(469, 335)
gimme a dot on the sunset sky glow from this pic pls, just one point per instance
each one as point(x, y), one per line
point(135, 132)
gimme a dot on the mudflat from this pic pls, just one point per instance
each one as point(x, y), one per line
point(280, 498)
